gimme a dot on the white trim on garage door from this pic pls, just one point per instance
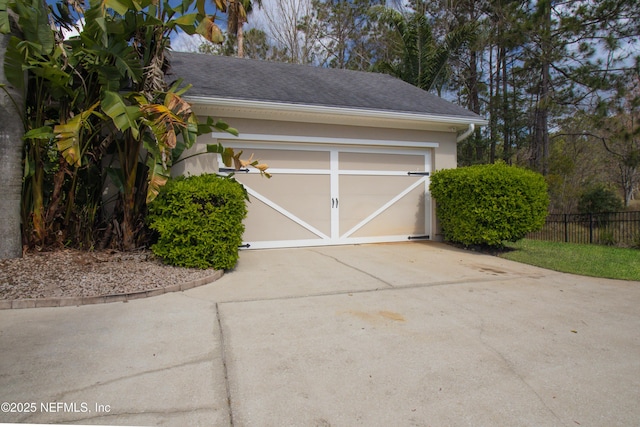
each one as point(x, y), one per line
point(346, 219)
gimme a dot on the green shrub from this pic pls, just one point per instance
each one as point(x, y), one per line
point(199, 221)
point(489, 204)
point(599, 199)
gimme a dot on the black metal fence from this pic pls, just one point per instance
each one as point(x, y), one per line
point(609, 228)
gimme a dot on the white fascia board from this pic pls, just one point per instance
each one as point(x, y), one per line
point(324, 114)
point(262, 138)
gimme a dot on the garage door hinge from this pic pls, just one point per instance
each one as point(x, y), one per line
point(418, 173)
point(419, 237)
point(232, 170)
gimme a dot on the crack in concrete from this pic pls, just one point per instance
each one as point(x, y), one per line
point(354, 268)
point(200, 299)
point(225, 370)
point(513, 370)
point(509, 365)
point(61, 397)
point(364, 291)
point(204, 359)
point(103, 415)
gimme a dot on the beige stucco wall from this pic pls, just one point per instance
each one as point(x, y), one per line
point(446, 155)
point(326, 130)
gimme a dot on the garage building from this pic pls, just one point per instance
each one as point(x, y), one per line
point(350, 152)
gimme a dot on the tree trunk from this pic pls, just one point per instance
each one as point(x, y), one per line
point(129, 164)
point(240, 41)
point(11, 132)
point(541, 126)
point(541, 129)
point(497, 103)
point(474, 96)
point(506, 114)
point(493, 110)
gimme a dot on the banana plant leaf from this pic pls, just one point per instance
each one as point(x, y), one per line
point(5, 27)
point(68, 135)
point(44, 132)
point(157, 178)
point(124, 116)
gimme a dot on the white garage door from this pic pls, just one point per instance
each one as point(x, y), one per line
point(322, 195)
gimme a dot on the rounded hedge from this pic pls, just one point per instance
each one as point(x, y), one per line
point(199, 221)
point(489, 204)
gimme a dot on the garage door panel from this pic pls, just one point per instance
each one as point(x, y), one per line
point(361, 196)
point(304, 196)
point(291, 159)
point(263, 223)
point(381, 162)
point(404, 217)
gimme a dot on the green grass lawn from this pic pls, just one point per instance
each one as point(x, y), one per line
point(587, 260)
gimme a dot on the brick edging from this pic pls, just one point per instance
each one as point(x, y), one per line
point(102, 299)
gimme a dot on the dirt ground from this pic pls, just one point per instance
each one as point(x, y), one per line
point(72, 273)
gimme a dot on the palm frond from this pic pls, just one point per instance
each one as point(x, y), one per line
point(421, 58)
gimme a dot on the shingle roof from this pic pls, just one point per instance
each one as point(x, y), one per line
point(249, 79)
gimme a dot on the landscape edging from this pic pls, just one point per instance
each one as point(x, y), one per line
point(103, 299)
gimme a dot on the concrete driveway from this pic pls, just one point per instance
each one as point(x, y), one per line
point(410, 334)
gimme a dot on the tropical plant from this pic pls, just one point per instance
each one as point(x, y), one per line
point(421, 59)
point(237, 12)
point(98, 107)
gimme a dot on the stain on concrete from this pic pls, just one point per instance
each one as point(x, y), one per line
point(377, 317)
point(392, 316)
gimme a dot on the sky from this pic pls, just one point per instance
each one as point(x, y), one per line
point(182, 42)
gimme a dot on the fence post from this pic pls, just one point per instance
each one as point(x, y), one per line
point(590, 228)
point(566, 228)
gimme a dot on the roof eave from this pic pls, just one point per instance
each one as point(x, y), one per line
point(266, 110)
